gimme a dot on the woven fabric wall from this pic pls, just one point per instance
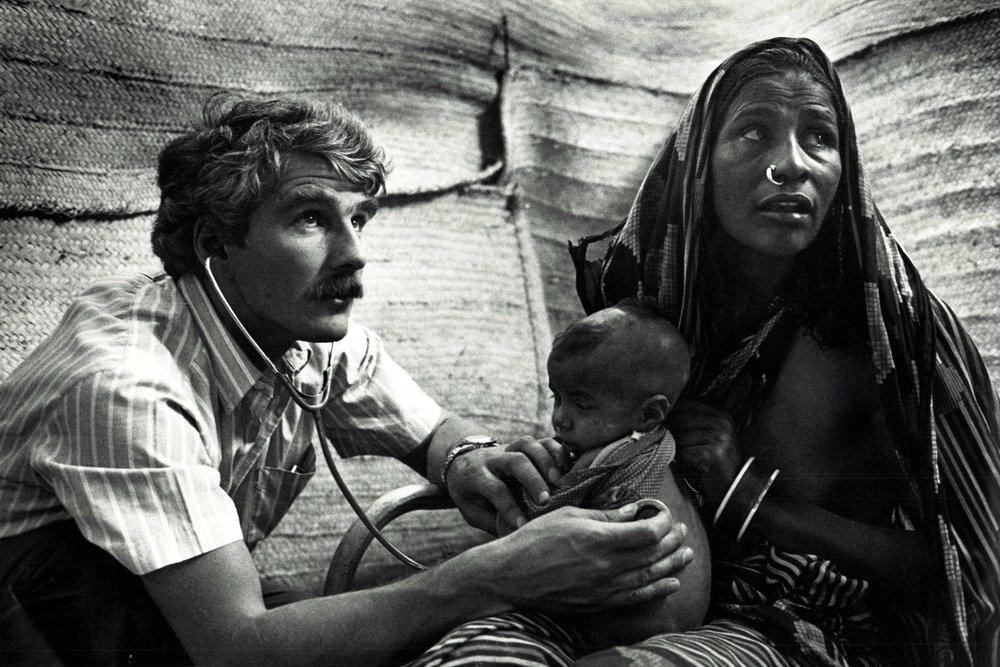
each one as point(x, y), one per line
point(673, 46)
point(91, 90)
point(558, 105)
point(577, 150)
point(46, 264)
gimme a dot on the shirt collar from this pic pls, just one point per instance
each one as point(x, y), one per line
point(232, 369)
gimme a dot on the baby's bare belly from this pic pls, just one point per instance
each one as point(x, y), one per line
point(682, 610)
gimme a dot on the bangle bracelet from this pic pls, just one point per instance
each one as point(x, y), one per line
point(756, 505)
point(742, 500)
point(469, 444)
point(729, 491)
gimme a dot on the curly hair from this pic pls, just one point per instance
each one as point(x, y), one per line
point(220, 171)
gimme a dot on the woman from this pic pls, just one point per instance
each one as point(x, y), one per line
point(841, 427)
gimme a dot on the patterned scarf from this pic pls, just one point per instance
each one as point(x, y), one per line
point(635, 469)
point(935, 389)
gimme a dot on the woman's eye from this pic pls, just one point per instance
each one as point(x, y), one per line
point(753, 134)
point(822, 138)
point(817, 139)
point(358, 221)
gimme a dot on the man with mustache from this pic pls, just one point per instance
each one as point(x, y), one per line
point(154, 438)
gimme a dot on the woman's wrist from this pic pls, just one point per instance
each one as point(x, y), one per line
point(742, 500)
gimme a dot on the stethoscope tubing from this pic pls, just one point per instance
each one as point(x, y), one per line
point(314, 404)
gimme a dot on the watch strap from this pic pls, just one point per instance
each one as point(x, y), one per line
point(464, 447)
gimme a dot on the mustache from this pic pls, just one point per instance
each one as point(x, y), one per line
point(340, 287)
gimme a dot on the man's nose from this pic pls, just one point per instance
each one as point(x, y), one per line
point(345, 251)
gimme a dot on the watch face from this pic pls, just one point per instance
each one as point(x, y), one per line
point(480, 440)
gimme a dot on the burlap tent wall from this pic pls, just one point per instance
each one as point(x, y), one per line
point(513, 125)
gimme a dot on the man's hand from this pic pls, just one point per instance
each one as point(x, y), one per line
point(576, 560)
point(706, 447)
point(481, 482)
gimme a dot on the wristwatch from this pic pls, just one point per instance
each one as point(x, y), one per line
point(470, 443)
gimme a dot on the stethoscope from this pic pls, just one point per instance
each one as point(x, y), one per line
point(314, 404)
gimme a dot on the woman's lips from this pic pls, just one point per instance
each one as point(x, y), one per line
point(787, 208)
point(786, 203)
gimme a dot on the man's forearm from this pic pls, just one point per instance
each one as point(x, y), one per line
point(214, 605)
point(377, 626)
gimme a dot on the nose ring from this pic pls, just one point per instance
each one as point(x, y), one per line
point(769, 173)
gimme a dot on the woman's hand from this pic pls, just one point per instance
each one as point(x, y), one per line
point(707, 450)
point(481, 482)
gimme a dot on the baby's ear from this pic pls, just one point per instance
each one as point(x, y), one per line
point(654, 411)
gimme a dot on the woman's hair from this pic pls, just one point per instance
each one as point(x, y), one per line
point(818, 289)
point(222, 170)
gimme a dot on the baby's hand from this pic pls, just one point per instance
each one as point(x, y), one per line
point(548, 456)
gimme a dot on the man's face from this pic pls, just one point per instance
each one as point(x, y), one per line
point(299, 270)
point(591, 404)
point(788, 121)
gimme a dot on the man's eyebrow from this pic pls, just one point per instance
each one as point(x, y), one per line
point(368, 206)
point(305, 194)
point(311, 194)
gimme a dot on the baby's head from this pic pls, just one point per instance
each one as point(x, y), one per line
point(616, 371)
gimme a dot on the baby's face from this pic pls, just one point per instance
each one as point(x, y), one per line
point(589, 410)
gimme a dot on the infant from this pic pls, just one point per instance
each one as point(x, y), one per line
point(615, 375)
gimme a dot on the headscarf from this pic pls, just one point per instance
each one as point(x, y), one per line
point(935, 389)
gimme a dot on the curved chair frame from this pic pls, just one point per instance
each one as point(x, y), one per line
point(389, 506)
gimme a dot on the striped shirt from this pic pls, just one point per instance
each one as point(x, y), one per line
point(141, 419)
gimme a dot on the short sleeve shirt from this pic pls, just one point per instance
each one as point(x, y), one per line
point(144, 421)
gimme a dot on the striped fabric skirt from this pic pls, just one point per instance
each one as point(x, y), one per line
point(775, 608)
point(505, 639)
point(534, 640)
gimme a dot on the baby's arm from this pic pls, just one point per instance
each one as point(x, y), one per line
point(682, 610)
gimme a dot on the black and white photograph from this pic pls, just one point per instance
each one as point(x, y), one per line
point(527, 333)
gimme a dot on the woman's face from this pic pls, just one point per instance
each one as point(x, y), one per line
point(788, 121)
